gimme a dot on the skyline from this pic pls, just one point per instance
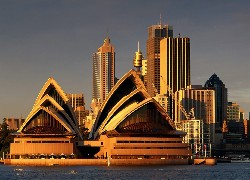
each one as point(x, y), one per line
point(39, 39)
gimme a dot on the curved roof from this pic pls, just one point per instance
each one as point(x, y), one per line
point(53, 101)
point(127, 96)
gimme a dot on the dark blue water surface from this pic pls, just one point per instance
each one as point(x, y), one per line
point(220, 171)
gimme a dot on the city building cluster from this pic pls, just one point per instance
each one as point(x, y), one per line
point(151, 112)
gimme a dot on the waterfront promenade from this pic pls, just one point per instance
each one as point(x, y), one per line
point(94, 162)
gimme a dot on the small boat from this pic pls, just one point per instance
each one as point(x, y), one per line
point(207, 161)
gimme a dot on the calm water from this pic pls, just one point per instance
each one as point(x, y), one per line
point(220, 171)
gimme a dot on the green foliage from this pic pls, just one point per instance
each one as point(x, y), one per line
point(5, 138)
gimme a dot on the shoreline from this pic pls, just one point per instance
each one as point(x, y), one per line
point(95, 162)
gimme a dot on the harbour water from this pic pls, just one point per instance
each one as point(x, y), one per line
point(220, 171)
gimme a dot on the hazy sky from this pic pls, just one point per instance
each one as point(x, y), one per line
point(43, 38)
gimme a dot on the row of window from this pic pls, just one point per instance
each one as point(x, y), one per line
point(150, 147)
point(149, 141)
point(43, 141)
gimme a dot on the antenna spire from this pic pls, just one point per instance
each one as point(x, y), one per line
point(138, 46)
point(107, 32)
point(160, 19)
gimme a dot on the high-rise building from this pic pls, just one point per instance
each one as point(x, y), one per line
point(103, 70)
point(201, 99)
point(175, 64)
point(201, 102)
point(175, 67)
point(220, 98)
point(155, 34)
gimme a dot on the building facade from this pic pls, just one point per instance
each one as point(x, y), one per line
point(233, 111)
point(103, 70)
point(175, 64)
point(144, 71)
point(78, 104)
point(155, 34)
point(201, 99)
point(201, 102)
point(220, 98)
point(14, 123)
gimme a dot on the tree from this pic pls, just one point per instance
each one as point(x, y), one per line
point(5, 138)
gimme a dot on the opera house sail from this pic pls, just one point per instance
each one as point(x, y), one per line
point(130, 125)
point(133, 125)
point(50, 127)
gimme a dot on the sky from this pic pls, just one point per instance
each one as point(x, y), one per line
point(43, 38)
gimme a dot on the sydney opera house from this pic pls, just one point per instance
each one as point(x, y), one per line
point(130, 125)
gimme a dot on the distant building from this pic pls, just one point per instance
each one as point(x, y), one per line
point(155, 34)
point(78, 104)
point(162, 100)
point(236, 127)
point(196, 137)
point(14, 123)
point(200, 98)
point(103, 70)
point(95, 107)
point(220, 98)
point(247, 130)
point(242, 114)
point(89, 121)
point(233, 111)
point(144, 70)
point(200, 102)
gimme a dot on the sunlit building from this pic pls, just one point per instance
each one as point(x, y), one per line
point(144, 70)
point(201, 99)
point(201, 102)
point(78, 104)
point(155, 34)
point(233, 111)
point(103, 70)
point(50, 128)
point(14, 123)
point(175, 64)
point(131, 125)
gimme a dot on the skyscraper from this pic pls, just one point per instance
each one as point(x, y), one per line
point(220, 98)
point(103, 70)
point(175, 67)
point(155, 34)
point(175, 64)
